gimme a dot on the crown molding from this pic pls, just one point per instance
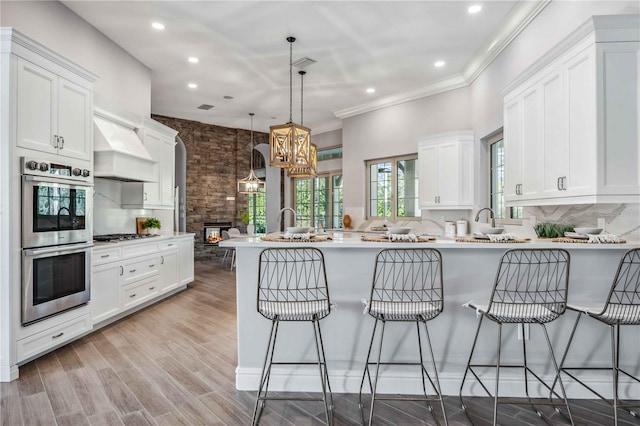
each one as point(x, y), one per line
point(514, 23)
point(9, 35)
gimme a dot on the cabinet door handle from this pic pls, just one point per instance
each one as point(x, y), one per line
point(55, 140)
point(152, 265)
point(121, 270)
point(57, 335)
point(564, 183)
point(145, 196)
point(162, 260)
point(61, 142)
point(558, 184)
point(152, 288)
point(132, 295)
point(518, 189)
point(170, 245)
point(104, 256)
point(132, 271)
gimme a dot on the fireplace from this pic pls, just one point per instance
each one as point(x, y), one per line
point(213, 232)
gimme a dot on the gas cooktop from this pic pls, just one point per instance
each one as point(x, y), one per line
point(116, 238)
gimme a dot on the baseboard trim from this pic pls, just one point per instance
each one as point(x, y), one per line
point(9, 373)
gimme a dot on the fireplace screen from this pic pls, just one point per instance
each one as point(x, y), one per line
point(213, 232)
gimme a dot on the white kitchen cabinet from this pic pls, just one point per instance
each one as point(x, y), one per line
point(571, 122)
point(106, 281)
point(160, 142)
point(445, 167)
point(54, 114)
point(185, 258)
point(169, 271)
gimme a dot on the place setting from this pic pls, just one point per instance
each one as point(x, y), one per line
point(589, 236)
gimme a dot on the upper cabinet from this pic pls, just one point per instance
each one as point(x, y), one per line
point(446, 171)
point(159, 140)
point(571, 121)
point(53, 113)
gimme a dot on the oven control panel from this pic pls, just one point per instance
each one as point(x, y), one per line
point(55, 169)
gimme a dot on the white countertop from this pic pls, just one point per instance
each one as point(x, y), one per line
point(352, 240)
point(105, 244)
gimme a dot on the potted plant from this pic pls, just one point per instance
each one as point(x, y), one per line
point(152, 225)
point(243, 215)
point(551, 230)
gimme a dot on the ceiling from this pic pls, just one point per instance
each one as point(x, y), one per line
point(242, 49)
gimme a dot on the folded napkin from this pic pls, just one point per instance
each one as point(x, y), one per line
point(603, 238)
point(402, 237)
point(291, 236)
point(502, 237)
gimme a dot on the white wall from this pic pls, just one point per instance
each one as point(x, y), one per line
point(395, 131)
point(124, 80)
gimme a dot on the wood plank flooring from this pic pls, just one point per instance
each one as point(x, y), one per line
point(174, 364)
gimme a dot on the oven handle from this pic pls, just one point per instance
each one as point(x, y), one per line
point(60, 249)
point(57, 180)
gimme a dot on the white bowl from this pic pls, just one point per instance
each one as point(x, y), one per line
point(487, 231)
point(298, 229)
point(592, 231)
point(396, 230)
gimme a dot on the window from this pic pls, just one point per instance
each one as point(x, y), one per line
point(393, 188)
point(329, 153)
point(318, 201)
point(496, 180)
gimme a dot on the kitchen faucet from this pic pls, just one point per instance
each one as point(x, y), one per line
point(292, 211)
point(492, 216)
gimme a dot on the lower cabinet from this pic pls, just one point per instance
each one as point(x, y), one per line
point(45, 340)
point(126, 276)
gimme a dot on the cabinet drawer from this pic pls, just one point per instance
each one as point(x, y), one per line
point(105, 255)
point(169, 245)
point(138, 292)
point(139, 249)
point(41, 342)
point(141, 268)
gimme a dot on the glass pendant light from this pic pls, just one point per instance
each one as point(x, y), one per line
point(289, 144)
point(251, 184)
point(309, 170)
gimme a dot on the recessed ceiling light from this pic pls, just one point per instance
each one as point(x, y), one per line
point(194, 60)
point(475, 8)
point(439, 64)
point(158, 26)
point(273, 118)
point(371, 90)
point(192, 85)
point(227, 97)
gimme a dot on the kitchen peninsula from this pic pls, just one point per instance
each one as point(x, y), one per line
point(468, 274)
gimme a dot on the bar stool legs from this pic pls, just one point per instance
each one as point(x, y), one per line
point(263, 389)
point(425, 374)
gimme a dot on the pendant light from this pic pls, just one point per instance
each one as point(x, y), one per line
point(251, 184)
point(289, 144)
point(310, 170)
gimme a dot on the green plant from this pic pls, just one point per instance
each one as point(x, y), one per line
point(243, 215)
point(551, 230)
point(151, 222)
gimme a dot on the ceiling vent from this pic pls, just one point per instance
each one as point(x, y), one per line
point(205, 107)
point(304, 62)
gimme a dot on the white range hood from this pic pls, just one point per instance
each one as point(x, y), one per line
point(118, 152)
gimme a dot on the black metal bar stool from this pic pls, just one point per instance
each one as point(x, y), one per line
point(407, 286)
point(530, 288)
point(622, 308)
point(292, 286)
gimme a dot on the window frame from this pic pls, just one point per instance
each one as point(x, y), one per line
point(394, 184)
point(329, 175)
point(489, 140)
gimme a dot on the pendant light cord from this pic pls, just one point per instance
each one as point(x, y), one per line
point(302, 73)
point(251, 146)
point(291, 80)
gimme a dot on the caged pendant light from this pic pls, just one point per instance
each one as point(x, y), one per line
point(310, 170)
point(251, 184)
point(289, 144)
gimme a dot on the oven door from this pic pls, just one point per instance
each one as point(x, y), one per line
point(54, 279)
point(55, 211)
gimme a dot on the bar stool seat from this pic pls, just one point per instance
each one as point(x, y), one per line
point(621, 308)
point(530, 288)
point(292, 287)
point(407, 287)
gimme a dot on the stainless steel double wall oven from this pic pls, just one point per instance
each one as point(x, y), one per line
point(57, 213)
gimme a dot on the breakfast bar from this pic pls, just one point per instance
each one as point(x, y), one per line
point(469, 271)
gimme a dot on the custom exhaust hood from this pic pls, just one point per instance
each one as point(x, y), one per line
point(118, 152)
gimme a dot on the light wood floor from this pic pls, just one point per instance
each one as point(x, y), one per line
point(174, 363)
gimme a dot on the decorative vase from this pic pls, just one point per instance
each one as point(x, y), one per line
point(346, 221)
point(250, 229)
point(153, 231)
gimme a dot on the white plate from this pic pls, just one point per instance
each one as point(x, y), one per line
point(585, 231)
point(399, 231)
point(298, 229)
point(486, 231)
point(576, 235)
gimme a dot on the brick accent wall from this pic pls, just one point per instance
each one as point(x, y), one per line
point(216, 158)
